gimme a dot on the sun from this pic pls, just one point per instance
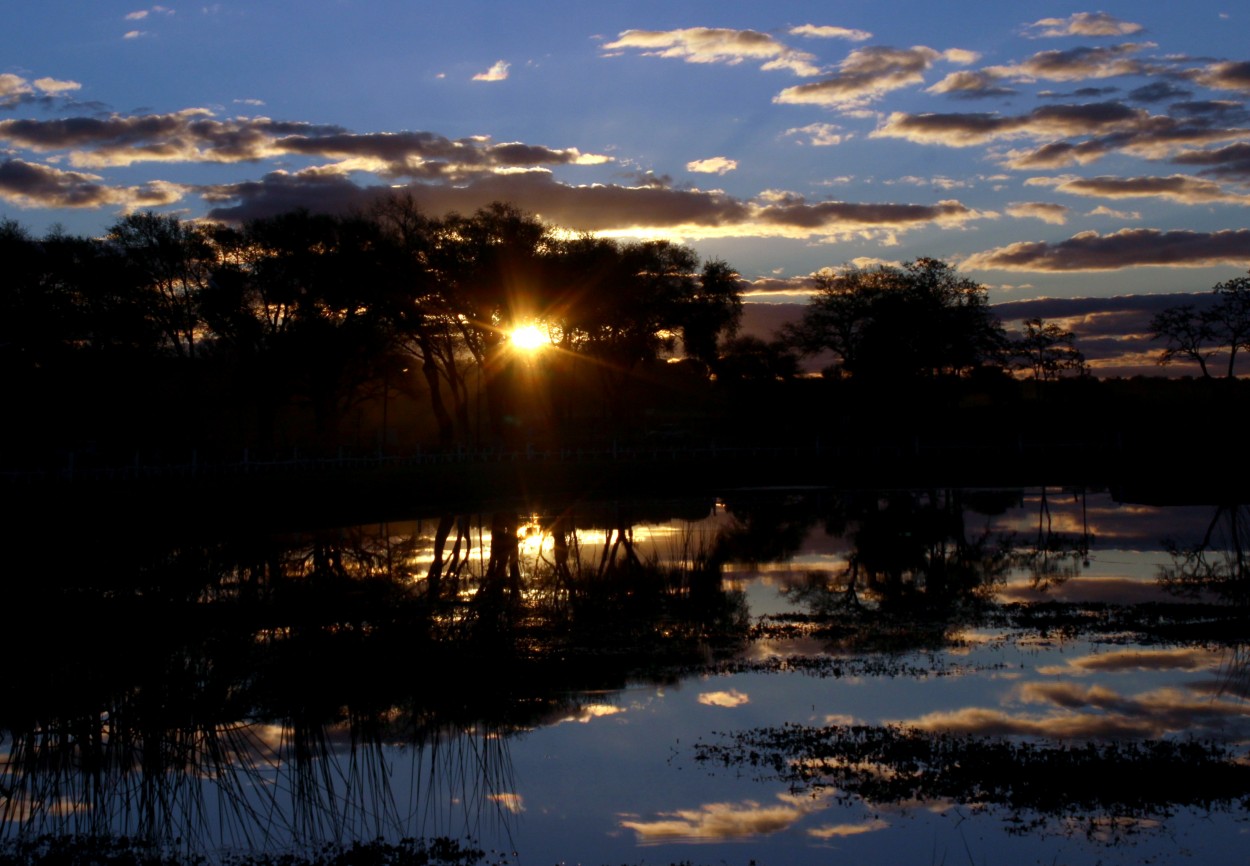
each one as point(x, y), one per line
point(528, 338)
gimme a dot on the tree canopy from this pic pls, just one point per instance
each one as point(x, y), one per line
point(920, 320)
point(1197, 334)
point(323, 312)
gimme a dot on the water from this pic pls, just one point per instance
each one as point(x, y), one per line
point(979, 676)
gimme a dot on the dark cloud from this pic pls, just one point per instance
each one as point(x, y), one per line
point(766, 320)
point(967, 84)
point(1177, 187)
point(1048, 212)
point(1232, 162)
point(30, 185)
point(1156, 137)
point(1080, 93)
point(1046, 121)
point(1114, 334)
point(1225, 76)
point(585, 208)
point(1158, 91)
point(1215, 110)
point(869, 73)
point(848, 216)
point(1128, 248)
point(195, 136)
point(279, 192)
point(1138, 309)
point(1076, 64)
point(190, 135)
point(597, 207)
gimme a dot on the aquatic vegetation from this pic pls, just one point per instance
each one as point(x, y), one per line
point(1036, 784)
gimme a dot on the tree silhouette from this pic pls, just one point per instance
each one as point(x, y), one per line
point(920, 320)
point(1197, 334)
point(1046, 350)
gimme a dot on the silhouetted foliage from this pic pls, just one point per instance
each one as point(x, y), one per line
point(891, 323)
point(1046, 350)
point(296, 326)
point(1199, 334)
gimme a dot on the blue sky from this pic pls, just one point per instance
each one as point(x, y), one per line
point(1049, 149)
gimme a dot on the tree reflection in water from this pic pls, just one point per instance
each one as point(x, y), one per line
point(262, 692)
point(347, 684)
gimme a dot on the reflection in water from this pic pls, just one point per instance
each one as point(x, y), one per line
point(353, 683)
point(1054, 557)
point(341, 685)
point(1056, 786)
point(1217, 564)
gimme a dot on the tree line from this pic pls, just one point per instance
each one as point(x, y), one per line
point(325, 312)
point(294, 328)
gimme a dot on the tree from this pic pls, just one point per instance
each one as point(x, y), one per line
point(751, 359)
point(1198, 333)
point(920, 320)
point(171, 261)
point(1046, 350)
point(1232, 317)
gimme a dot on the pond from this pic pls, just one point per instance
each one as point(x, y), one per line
point(767, 676)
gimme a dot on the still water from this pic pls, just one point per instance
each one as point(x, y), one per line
point(1002, 676)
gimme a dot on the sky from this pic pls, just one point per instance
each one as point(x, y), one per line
point(1053, 152)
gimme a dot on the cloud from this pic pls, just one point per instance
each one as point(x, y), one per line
point(1103, 210)
point(140, 14)
point(194, 135)
point(514, 803)
point(1213, 110)
point(1082, 24)
point(1119, 661)
point(1180, 188)
point(868, 74)
point(134, 34)
point(15, 90)
point(967, 84)
point(1127, 248)
point(590, 712)
point(1107, 127)
point(717, 45)
point(1225, 76)
point(687, 213)
point(846, 219)
point(1114, 334)
point(52, 85)
point(729, 699)
point(498, 72)
point(1081, 712)
point(1046, 121)
point(717, 822)
point(712, 165)
point(819, 134)
point(27, 184)
point(1076, 64)
point(1158, 91)
point(1055, 214)
point(1232, 161)
point(829, 32)
point(841, 831)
